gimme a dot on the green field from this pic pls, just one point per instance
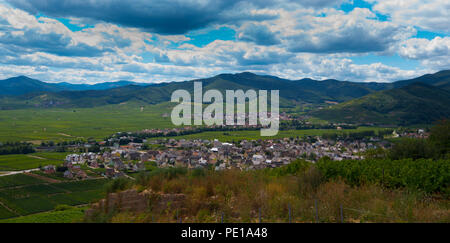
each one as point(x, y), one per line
point(18, 180)
point(67, 216)
point(25, 195)
point(5, 213)
point(230, 136)
point(16, 162)
point(37, 125)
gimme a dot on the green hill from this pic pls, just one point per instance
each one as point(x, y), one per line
point(440, 79)
point(416, 103)
point(401, 105)
point(24, 85)
point(306, 90)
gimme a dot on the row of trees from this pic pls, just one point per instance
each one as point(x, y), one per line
point(435, 147)
point(16, 148)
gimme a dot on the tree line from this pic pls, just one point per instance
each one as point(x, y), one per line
point(16, 148)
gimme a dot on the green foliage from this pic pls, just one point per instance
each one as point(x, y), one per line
point(70, 215)
point(84, 185)
point(18, 180)
point(437, 146)
point(27, 195)
point(63, 207)
point(440, 137)
point(294, 168)
point(65, 125)
point(413, 148)
point(423, 174)
point(169, 173)
point(16, 148)
point(413, 104)
point(15, 162)
point(119, 184)
point(5, 213)
point(197, 173)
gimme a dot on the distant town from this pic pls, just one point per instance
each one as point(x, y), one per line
point(126, 152)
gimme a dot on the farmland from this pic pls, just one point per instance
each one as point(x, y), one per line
point(22, 194)
point(37, 125)
point(17, 162)
point(230, 136)
point(66, 216)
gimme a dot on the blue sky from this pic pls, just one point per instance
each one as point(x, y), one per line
point(158, 41)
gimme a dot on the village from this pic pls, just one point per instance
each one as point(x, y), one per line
point(114, 161)
point(125, 153)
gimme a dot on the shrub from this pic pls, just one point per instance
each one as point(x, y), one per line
point(119, 184)
point(63, 207)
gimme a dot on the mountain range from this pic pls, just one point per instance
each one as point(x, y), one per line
point(416, 103)
point(23, 85)
point(422, 99)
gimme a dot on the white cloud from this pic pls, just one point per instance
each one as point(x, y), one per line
point(433, 53)
point(337, 32)
point(296, 42)
point(433, 15)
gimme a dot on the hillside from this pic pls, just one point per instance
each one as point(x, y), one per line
point(306, 90)
point(24, 85)
point(416, 103)
point(405, 104)
point(440, 79)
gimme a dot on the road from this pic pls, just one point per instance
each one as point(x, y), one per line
point(8, 173)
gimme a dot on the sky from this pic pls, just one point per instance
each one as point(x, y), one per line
point(156, 41)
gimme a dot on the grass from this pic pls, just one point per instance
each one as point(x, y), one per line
point(240, 195)
point(57, 124)
point(16, 162)
point(18, 180)
point(79, 186)
point(52, 155)
point(27, 195)
point(5, 213)
point(73, 215)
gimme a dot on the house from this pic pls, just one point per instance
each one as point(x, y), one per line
point(258, 159)
point(81, 175)
point(68, 174)
point(202, 161)
point(133, 155)
point(118, 164)
point(140, 166)
point(145, 157)
point(49, 169)
point(109, 172)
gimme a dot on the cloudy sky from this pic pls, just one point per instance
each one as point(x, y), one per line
point(90, 41)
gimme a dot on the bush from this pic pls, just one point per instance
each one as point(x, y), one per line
point(423, 174)
point(63, 207)
point(414, 149)
point(119, 184)
point(296, 167)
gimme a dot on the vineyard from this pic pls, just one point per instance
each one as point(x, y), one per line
point(25, 195)
point(29, 161)
point(425, 175)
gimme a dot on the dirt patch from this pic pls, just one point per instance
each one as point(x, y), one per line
point(50, 180)
point(36, 157)
point(35, 142)
point(65, 135)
